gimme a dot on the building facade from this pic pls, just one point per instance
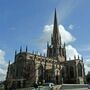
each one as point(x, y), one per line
point(29, 68)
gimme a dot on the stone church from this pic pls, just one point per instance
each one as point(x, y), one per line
point(29, 68)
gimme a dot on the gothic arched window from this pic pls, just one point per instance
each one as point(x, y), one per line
point(79, 69)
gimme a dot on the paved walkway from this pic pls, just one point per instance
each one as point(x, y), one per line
point(62, 87)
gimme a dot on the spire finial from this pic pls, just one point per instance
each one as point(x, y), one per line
point(55, 12)
point(75, 57)
point(26, 48)
point(15, 55)
point(33, 52)
point(55, 20)
point(9, 62)
point(64, 45)
point(44, 55)
point(40, 54)
point(20, 49)
point(78, 57)
point(15, 52)
point(82, 58)
point(47, 43)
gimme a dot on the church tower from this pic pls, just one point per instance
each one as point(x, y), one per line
point(56, 50)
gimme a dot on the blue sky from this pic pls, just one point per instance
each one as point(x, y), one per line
point(22, 23)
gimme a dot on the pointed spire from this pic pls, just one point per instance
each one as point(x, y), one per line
point(64, 45)
point(8, 69)
point(15, 52)
point(47, 43)
point(40, 54)
point(26, 48)
point(55, 28)
point(33, 52)
point(51, 39)
point(9, 63)
point(44, 54)
point(55, 19)
point(78, 57)
point(15, 55)
point(82, 58)
point(56, 36)
point(20, 49)
point(74, 57)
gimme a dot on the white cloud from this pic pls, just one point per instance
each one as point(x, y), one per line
point(71, 52)
point(66, 36)
point(71, 27)
point(86, 69)
point(46, 35)
point(3, 65)
point(87, 65)
point(87, 62)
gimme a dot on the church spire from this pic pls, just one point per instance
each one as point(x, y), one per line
point(26, 49)
point(15, 52)
point(47, 44)
point(9, 63)
point(15, 55)
point(56, 36)
point(55, 22)
point(20, 49)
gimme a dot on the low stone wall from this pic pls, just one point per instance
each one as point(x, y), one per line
point(74, 87)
